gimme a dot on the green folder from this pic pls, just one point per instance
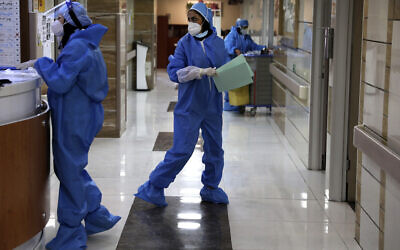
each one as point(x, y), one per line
point(234, 74)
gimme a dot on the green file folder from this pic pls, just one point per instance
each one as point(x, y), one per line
point(234, 74)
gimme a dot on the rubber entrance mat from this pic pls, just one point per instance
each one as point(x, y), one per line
point(184, 224)
point(171, 107)
point(165, 141)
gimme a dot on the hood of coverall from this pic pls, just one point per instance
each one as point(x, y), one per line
point(80, 13)
point(93, 35)
point(242, 23)
point(205, 12)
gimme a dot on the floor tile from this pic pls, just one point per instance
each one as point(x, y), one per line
point(275, 210)
point(261, 234)
point(347, 233)
point(339, 212)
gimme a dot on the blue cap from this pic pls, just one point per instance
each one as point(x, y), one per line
point(202, 9)
point(242, 23)
point(80, 13)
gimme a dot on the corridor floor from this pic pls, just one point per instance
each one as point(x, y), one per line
point(275, 203)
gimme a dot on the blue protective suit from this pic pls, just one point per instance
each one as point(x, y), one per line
point(199, 106)
point(234, 40)
point(77, 84)
point(244, 43)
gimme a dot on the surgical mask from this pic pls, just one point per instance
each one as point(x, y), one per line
point(194, 28)
point(57, 28)
point(201, 35)
point(244, 31)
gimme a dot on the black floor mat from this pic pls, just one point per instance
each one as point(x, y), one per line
point(164, 141)
point(180, 225)
point(171, 107)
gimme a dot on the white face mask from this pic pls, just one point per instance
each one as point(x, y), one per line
point(194, 28)
point(57, 28)
point(244, 31)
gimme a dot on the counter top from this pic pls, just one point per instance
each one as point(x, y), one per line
point(21, 97)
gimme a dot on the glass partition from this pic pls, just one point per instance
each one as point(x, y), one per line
point(253, 12)
point(293, 35)
point(293, 24)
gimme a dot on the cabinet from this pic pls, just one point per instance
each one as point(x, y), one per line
point(24, 178)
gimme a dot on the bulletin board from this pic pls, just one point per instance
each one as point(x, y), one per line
point(10, 39)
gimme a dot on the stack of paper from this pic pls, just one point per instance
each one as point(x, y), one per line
point(234, 74)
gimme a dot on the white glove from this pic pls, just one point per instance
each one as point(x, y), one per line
point(208, 72)
point(188, 73)
point(26, 65)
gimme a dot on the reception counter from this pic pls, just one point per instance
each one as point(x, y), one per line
point(24, 164)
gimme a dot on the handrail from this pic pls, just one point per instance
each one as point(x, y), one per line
point(298, 87)
point(372, 146)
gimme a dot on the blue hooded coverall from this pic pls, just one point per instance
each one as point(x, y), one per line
point(234, 40)
point(199, 106)
point(77, 84)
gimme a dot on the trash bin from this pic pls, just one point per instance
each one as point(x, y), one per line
point(239, 96)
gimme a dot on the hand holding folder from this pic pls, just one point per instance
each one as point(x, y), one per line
point(234, 74)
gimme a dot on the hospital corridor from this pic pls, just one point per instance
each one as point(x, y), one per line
point(275, 202)
point(199, 124)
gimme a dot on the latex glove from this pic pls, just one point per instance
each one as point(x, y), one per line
point(208, 72)
point(26, 65)
point(188, 73)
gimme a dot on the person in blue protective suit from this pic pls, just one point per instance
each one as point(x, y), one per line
point(237, 42)
point(199, 106)
point(77, 84)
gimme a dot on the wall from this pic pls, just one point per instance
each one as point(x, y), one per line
point(177, 11)
point(113, 46)
point(378, 199)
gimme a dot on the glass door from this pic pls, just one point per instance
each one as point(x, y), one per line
point(293, 25)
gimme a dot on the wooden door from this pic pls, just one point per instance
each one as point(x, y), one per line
point(162, 41)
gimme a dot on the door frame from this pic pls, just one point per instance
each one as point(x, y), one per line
point(319, 86)
point(345, 100)
point(336, 179)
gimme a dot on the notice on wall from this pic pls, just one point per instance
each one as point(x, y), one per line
point(10, 40)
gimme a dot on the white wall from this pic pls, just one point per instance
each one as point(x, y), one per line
point(177, 11)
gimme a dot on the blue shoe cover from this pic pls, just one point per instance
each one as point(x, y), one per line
point(68, 238)
point(152, 194)
point(214, 195)
point(99, 221)
point(229, 107)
